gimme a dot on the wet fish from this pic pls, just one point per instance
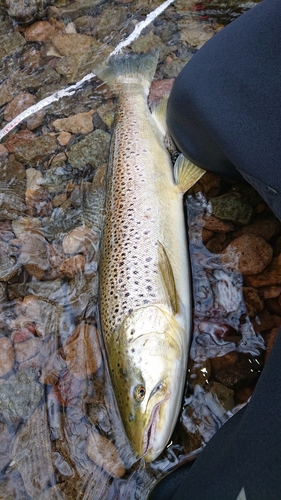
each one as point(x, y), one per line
point(145, 297)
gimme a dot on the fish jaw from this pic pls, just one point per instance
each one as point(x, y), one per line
point(148, 383)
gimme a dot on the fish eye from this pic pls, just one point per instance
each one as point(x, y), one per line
point(140, 392)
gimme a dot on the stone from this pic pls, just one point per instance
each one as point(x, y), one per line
point(223, 394)
point(18, 104)
point(54, 365)
point(7, 91)
point(107, 112)
point(159, 88)
point(41, 31)
point(72, 43)
point(22, 334)
point(73, 265)
point(237, 375)
point(68, 390)
point(3, 153)
point(82, 351)
point(242, 395)
point(64, 138)
point(253, 301)
point(35, 120)
point(223, 362)
point(253, 253)
point(271, 291)
point(269, 340)
point(34, 248)
point(212, 223)
point(103, 452)
point(93, 150)
point(35, 151)
point(263, 321)
point(233, 207)
point(264, 227)
point(20, 395)
point(77, 240)
point(20, 137)
point(27, 349)
point(209, 185)
point(194, 33)
point(81, 123)
point(7, 356)
point(11, 44)
point(273, 305)
point(146, 43)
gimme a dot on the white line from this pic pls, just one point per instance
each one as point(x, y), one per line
point(68, 91)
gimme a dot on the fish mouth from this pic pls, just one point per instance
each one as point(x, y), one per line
point(151, 428)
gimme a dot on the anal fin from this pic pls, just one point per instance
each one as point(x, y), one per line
point(186, 174)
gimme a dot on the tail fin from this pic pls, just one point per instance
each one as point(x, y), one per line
point(129, 69)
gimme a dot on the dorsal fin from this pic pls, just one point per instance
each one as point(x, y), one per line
point(168, 277)
point(186, 174)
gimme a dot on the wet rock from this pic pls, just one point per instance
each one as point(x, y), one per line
point(253, 301)
point(159, 88)
point(20, 395)
point(212, 223)
point(214, 245)
point(22, 335)
point(28, 349)
point(266, 228)
point(82, 351)
point(223, 362)
point(19, 103)
point(209, 185)
point(254, 254)
point(207, 235)
point(263, 321)
point(146, 43)
point(35, 120)
point(276, 320)
point(34, 80)
point(20, 137)
point(72, 43)
point(12, 487)
point(9, 264)
point(81, 123)
point(73, 265)
point(172, 68)
point(93, 150)
point(3, 153)
point(85, 24)
point(38, 202)
point(32, 453)
point(199, 373)
point(79, 239)
point(34, 249)
point(269, 277)
point(7, 356)
point(41, 31)
point(223, 394)
point(64, 138)
point(103, 453)
point(242, 395)
point(232, 206)
point(11, 44)
point(194, 33)
point(238, 375)
point(273, 305)
point(7, 91)
point(107, 112)
point(269, 340)
point(74, 10)
point(270, 292)
point(35, 151)
point(5, 456)
point(68, 390)
point(54, 365)
point(107, 22)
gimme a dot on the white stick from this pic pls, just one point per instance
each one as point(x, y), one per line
point(68, 91)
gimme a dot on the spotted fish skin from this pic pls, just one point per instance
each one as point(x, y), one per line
point(145, 300)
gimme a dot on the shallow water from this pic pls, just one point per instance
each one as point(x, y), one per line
point(61, 437)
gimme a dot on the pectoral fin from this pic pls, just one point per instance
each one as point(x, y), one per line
point(159, 112)
point(186, 174)
point(168, 278)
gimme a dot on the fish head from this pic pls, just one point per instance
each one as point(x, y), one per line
point(148, 379)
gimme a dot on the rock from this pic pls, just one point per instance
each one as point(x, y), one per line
point(233, 207)
point(18, 104)
point(106, 23)
point(35, 151)
point(34, 248)
point(223, 394)
point(77, 240)
point(146, 43)
point(101, 451)
point(81, 123)
point(159, 88)
point(207, 235)
point(223, 362)
point(35, 120)
point(82, 351)
point(253, 253)
point(22, 334)
point(68, 390)
point(199, 373)
point(41, 31)
point(266, 228)
point(11, 44)
point(212, 223)
point(64, 138)
point(7, 91)
point(7, 356)
point(270, 292)
point(214, 245)
point(238, 375)
point(253, 301)
point(242, 395)
point(28, 349)
point(38, 202)
point(20, 137)
point(209, 185)
point(173, 68)
point(9, 264)
point(273, 305)
point(85, 24)
point(194, 33)
point(107, 112)
point(93, 150)
point(3, 153)
point(269, 340)
point(263, 321)
point(6, 455)
point(73, 265)
point(72, 43)
point(276, 320)
point(54, 365)
point(20, 395)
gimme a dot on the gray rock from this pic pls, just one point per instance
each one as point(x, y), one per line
point(36, 150)
point(11, 43)
point(20, 395)
point(93, 150)
point(25, 10)
point(232, 206)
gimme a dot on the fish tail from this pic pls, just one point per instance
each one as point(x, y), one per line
point(130, 69)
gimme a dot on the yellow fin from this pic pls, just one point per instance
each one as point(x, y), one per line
point(186, 174)
point(168, 277)
point(159, 111)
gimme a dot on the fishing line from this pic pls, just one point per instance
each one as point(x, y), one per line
point(69, 91)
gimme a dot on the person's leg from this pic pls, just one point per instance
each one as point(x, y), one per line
point(244, 453)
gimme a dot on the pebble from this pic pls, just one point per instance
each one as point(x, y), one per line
point(19, 103)
point(77, 240)
point(103, 452)
point(266, 228)
point(41, 31)
point(54, 365)
point(71, 266)
point(20, 137)
point(233, 207)
point(27, 349)
point(68, 390)
point(81, 123)
point(72, 43)
point(82, 351)
point(34, 121)
point(7, 356)
point(269, 340)
point(209, 185)
point(270, 292)
point(253, 301)
point(223, 394)
point(269, 277)
point(263, 321)
point(7, 91)
point(253, 253)
point(64, 138)
point(3, 152)
point(35, 151)
point(159, 88)
point(217, 225)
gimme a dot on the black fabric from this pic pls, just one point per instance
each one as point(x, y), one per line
point(244, 453)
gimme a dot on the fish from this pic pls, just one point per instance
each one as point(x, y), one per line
point(144, 291)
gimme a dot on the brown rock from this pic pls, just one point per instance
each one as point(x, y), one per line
point(270, 292)
point(35, 120)
point(214, 245)
point(223, 394)
point(7, 356)
point(276, 319)
point(15, 139)
point(206, 235)
point(217, 225)
point(104, 454)
point(54, 365)
point(21, 102)
point(82, 351)
point(273, 305)
point(222, 362)
point(238, 375)
point(243, 395)
point(64, 138)
point(266, 228)
point(159, 88)
point(81, 123)
point(42, 31)
point(28, 349)
point(7, 91)
point(71, 266)
point(254, 254)
point(68, 390)
point(209, 184)
point(78, 239)
point(269, 340)
point(3, 152)
point(72, 43)
point(270, 276)
point(21, 335)
point(253, 300)
point(263, 321)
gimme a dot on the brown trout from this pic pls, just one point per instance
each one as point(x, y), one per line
point(145, 295)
